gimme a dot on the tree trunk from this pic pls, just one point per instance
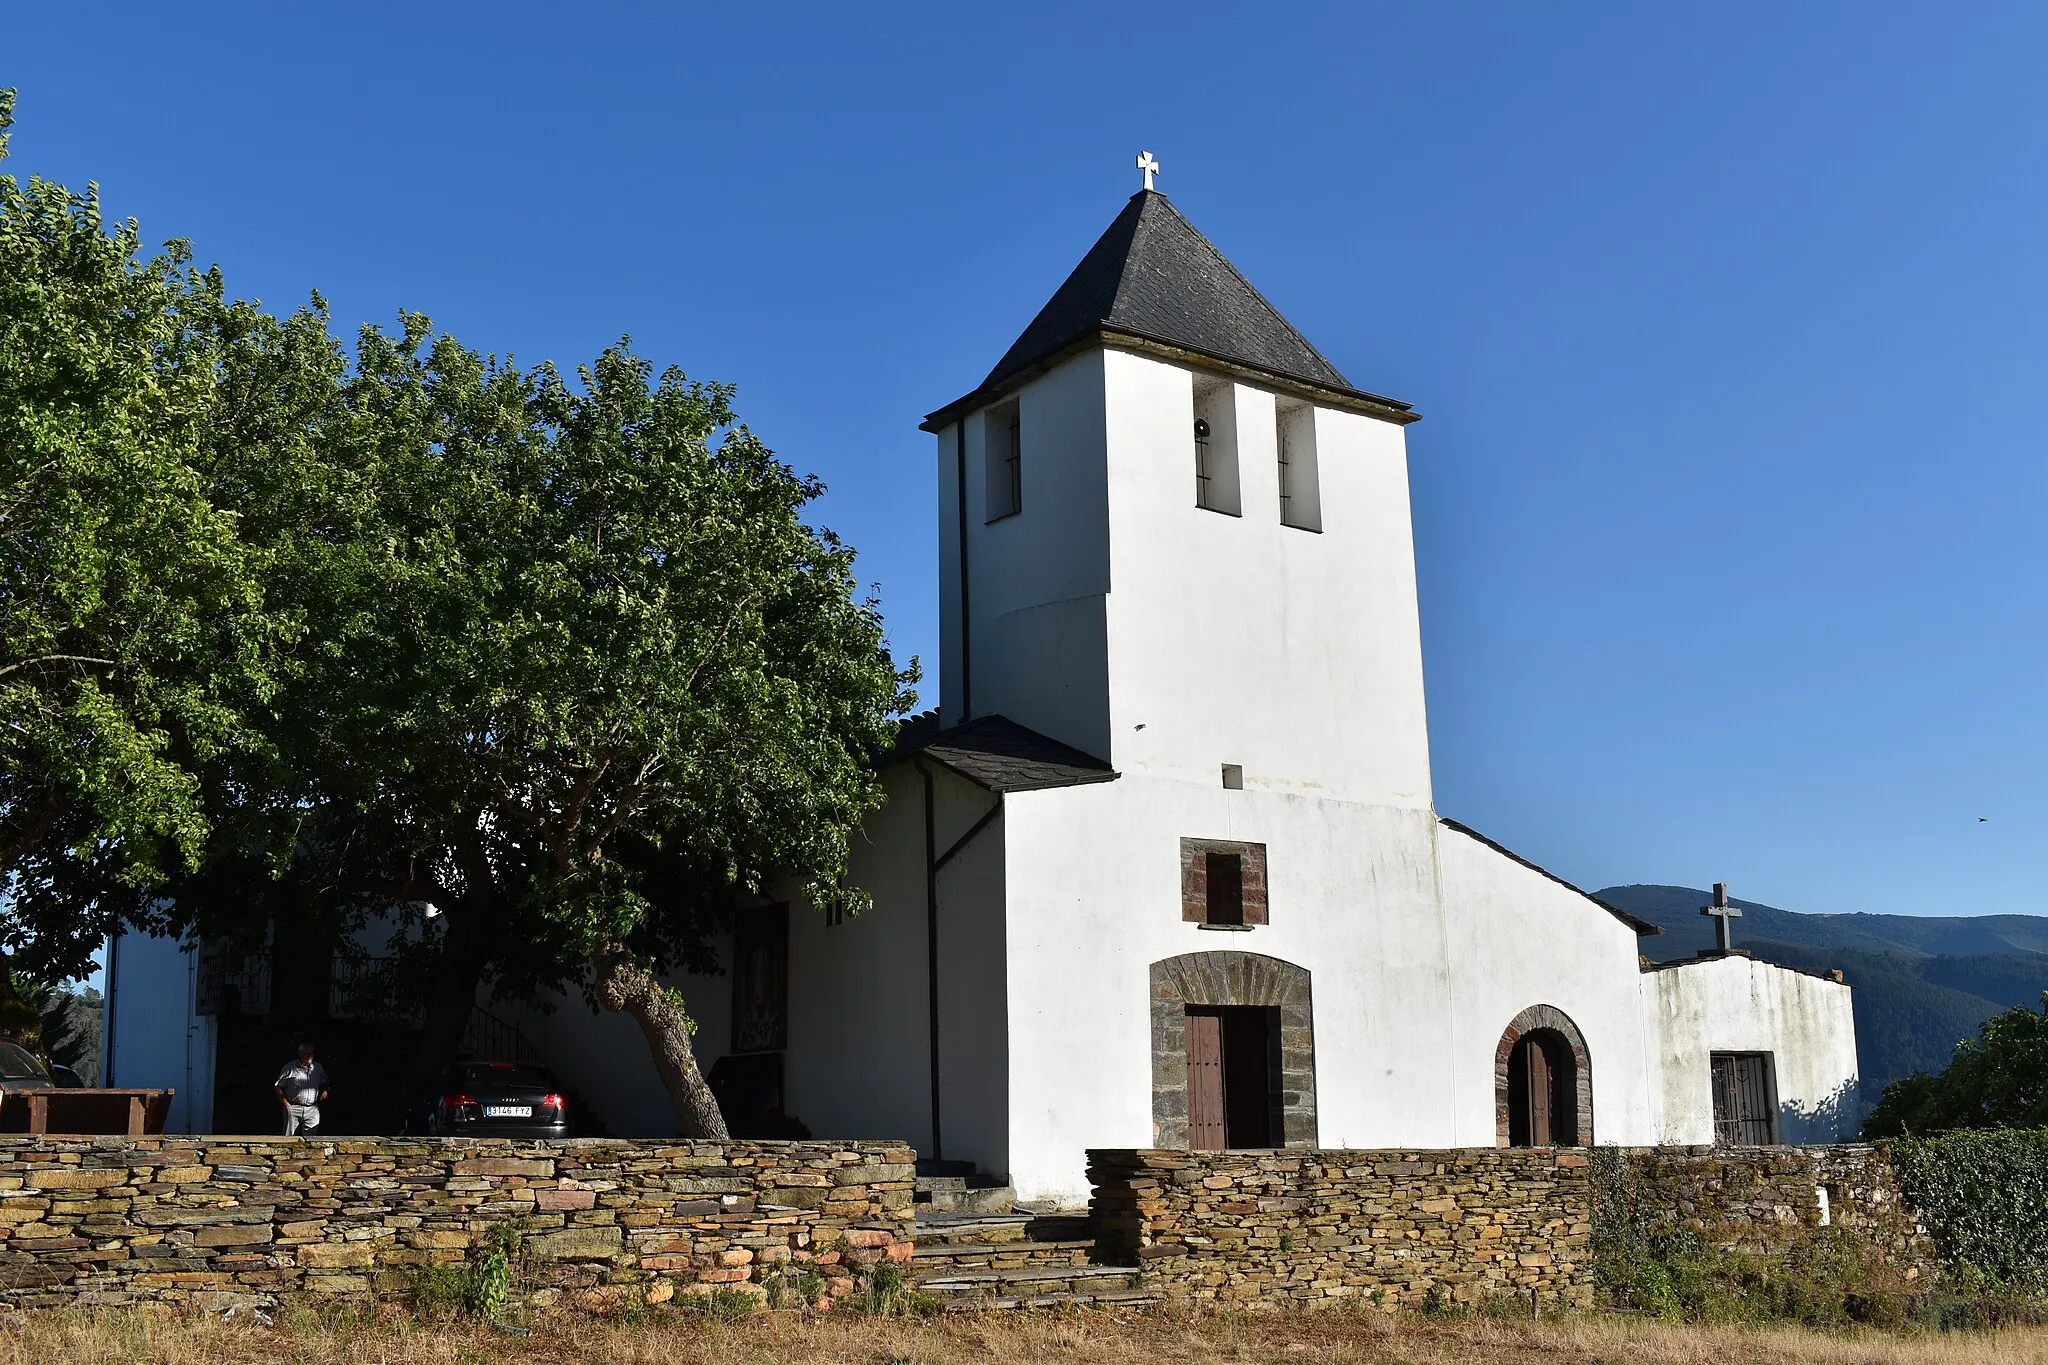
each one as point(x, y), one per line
point(453, 999)
point(624, 985)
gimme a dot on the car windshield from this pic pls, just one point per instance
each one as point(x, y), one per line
point(16, 1064)
point(505, 1076)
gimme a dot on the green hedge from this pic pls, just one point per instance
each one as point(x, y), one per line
point(1983, 1196)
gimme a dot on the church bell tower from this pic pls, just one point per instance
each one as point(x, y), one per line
point(1175, 537)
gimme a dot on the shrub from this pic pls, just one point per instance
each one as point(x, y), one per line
point(1997, 1080)
point(1643, 1263)
point(730, 1305)
point(478, 1287)
point(883, 1294)
point(1980, 1194)
point(798, 1288)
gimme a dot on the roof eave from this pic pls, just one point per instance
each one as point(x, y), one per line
point(1347, 400)
point(963, 771)
point(1643, 927)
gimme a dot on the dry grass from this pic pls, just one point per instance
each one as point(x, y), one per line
point(1072, 1339)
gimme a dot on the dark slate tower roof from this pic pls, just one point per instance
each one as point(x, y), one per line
point(1152, 277)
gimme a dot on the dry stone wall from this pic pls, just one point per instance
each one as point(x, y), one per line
point(1276, 1226)
point(1472, 1224)
point(217, 1222)
point(1766, 1200)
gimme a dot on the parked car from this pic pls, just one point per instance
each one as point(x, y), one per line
point(20, 1070)
point(499, 1099)
point(65, 1077)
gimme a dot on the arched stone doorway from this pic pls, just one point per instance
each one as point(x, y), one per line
point(1233, 1052)
point(1543, 1082)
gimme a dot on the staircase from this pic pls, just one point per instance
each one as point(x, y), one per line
point(970, 1262)
point(960, 1187)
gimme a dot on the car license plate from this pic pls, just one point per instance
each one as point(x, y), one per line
point(508, 1111)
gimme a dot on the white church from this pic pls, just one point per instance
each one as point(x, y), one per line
point(1165, 868)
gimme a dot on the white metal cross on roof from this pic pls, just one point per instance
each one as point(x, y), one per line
point(1148, 166)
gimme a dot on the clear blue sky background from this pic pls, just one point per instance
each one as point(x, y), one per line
point(1727, 322)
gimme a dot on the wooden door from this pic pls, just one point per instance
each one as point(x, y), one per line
point(1542, 1122)
point(1205, 1079)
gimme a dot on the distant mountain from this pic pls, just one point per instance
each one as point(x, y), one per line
point(1922, 982)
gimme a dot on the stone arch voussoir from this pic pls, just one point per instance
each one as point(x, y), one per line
point(1231, 978)
point(1529, 1020)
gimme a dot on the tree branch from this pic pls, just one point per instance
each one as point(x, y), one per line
point(17, 666)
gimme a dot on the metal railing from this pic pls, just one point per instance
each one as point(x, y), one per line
point(491, 1039)
point(243, 986)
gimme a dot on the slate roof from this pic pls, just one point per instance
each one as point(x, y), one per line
point(1154, 277)
point(999, 754)
point(1642, 927)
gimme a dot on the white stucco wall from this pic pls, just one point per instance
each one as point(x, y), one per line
point(1036, 634)
point(1094, 900)
point(154, 1040)
point(1519, 938)
point(858, 1060)
point(1737, 1004)
point(1235, 639)
point(859, 1063)
point(1413, 985)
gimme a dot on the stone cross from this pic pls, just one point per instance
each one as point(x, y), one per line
point(1148, 166)
point(1722, 912)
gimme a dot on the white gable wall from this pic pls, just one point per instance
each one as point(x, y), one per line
point(1519, 938)
point(1094, 899)
point(1737, 1004)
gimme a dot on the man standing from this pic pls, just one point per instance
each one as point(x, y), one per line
point(302, 1089)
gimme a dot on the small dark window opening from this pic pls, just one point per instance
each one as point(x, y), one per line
point(1286, 480)
point(1003, 467)
point(1202, 471)
point(1013, 461)
point(1225, 888)
point(1223, 884)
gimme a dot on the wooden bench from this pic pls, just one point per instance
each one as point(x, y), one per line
point(134, 1113)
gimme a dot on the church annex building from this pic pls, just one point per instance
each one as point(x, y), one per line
point(1164, 869)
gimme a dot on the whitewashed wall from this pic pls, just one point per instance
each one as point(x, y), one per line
point(1518, 938)
point(860, 1034)
point(1036, 634)
point(1737, 1004)
point(1094, 900)
point(1296, 654)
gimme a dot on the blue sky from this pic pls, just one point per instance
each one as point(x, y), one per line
point(1727, 324)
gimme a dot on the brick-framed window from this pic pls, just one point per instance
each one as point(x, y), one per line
point(1222, 883)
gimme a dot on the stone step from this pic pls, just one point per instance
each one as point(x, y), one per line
point(945, 1225)
point(937, 1259)
point(963, 1194)
point(1060, 1227)
point(1127, 1298)
point(1039, 1286)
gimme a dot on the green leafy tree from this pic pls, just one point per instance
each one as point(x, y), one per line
point(579, 675)
point(132, 635)
point(1997, 1080)
point(554, 674)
